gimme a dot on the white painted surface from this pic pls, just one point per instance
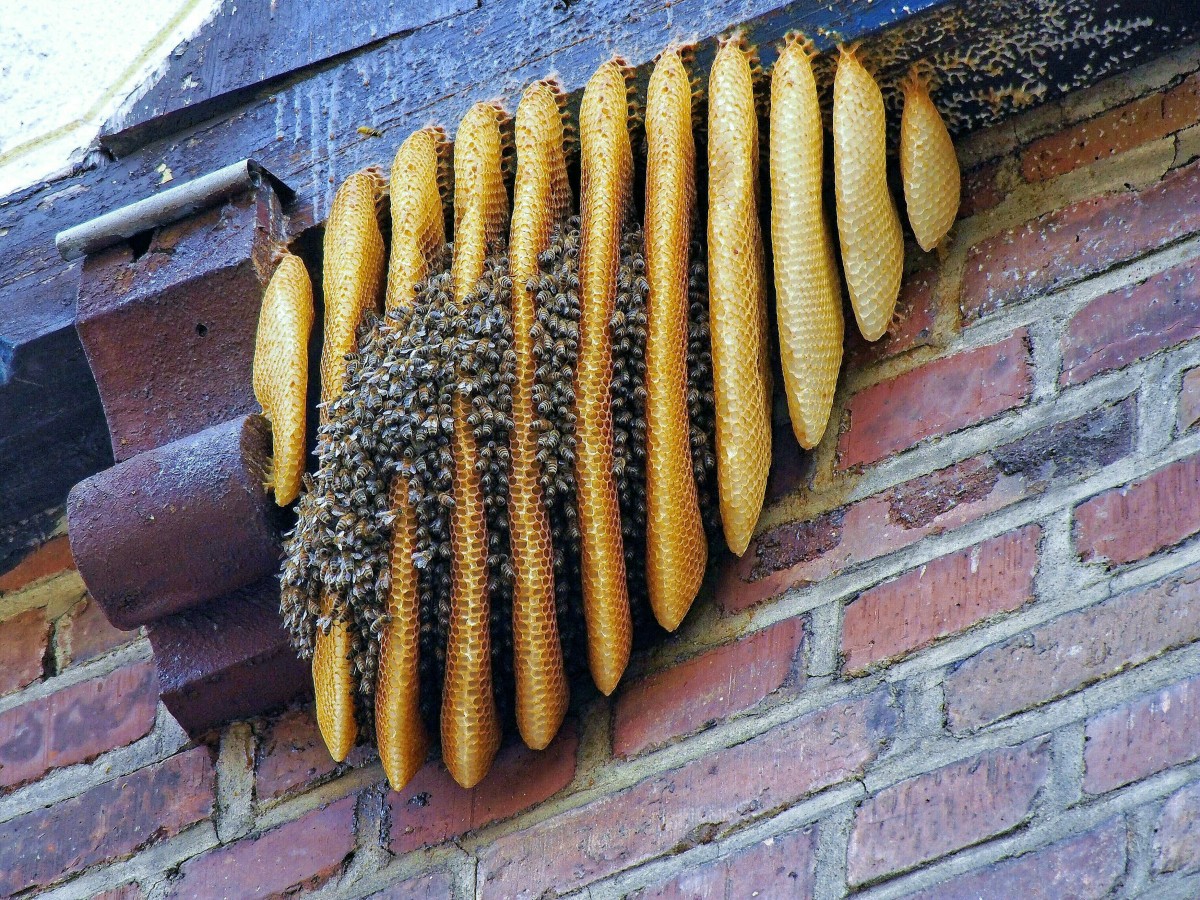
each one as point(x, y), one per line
point(66, 65)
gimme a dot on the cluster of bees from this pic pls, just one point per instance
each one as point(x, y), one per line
point(525, 456)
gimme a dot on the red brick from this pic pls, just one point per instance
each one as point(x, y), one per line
point(1177, 833)
point(52, 557)
point(1140, 738)
point(23, 641)
point(427, 886)
point(938, 398)
point(84, 634)
point(937, 813)
point(708, 688)
point(1086, 867)
point(1079, 240)
point(781, 866)
point(695, 804)
point(432, 808)
point(1189, 400)
point(131, 891)
point(1073, 651)
point(981, 189)
point(292, 755)
point(302, 853)
point(1121, 328)
point(77, 723)
point(1131, 522)
point(1181, 105)
point(1088, 142)
point(108, 822)
point(810, 550)
point(940, 598)
point(916, 312)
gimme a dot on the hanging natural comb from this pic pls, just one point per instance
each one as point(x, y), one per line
point(522, 461)
point(281, 371)
point(541, 200)
point(676, 547)
point(868, 226)
point(807, 289)
point(737, 295)
point(607, 172)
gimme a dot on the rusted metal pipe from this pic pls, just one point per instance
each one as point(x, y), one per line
point(178, 525)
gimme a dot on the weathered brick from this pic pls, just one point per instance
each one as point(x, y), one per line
point(1079, 240)
point(1142, 737)
point(1181, 105)
point(299, 854)
point(938, 398)
point(1189, 400)
point(780, 866)
point(1177, 833)
point(1106, 135)
point(108, 822)
point(426, 886)
point(77, 723)
point(84, 634)
point(23, 641)
point(432, 808)
point(956, 806)
point(1074, 650)
point(810, 550)
point(916, 315)
point(981, 189)
point(130, 891)
point(291, 755)
point(940, 598)
point(1118, 329)
point(691, 805)
point(1072, 449)
point(707, 688)
point(52, 557)
point(1131, 522)
point(1085, 867)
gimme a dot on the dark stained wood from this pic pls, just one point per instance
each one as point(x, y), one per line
point(170, 334)
point(250, 44)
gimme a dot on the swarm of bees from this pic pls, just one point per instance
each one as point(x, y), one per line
point(524, 457)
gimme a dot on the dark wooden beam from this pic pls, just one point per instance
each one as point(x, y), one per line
point(252, 44)
point(178, 525)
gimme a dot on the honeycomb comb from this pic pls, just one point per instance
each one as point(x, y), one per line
point(737, 297)
point(676, 547)
point(807, 289)
point(607, 170)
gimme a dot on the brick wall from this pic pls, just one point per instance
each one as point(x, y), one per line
point(961, 658)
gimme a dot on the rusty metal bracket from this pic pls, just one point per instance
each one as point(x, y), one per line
point(227, 659)
point(169, 331)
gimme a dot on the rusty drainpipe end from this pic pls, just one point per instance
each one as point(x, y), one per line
point(179, 525)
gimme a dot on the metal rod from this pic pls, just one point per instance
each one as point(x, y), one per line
point(169, 206)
